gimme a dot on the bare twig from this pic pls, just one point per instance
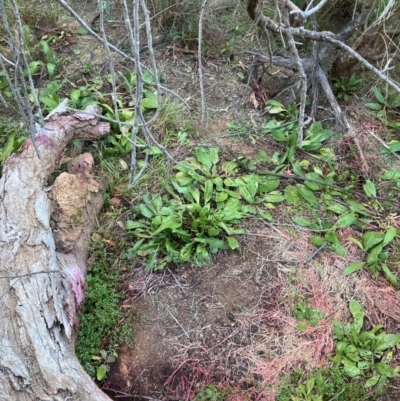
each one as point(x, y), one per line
point(308, 13)
point(200, 64)
point(177, 322)
point(303, 78)
point(384, 144)
point(177, 281)
point(316, 252)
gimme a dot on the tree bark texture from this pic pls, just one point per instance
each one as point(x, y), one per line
point(42, 279)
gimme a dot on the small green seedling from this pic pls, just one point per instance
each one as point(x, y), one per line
point(307, 392)
point(345, 87)
point(373, 243)
point(307, 315)
point(211, 393)
point(104, 360)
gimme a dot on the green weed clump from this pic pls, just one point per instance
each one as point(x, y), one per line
point(206, 202)
point(360, 367)
point(323, 384)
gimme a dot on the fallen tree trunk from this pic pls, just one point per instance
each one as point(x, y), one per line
point(42, 280)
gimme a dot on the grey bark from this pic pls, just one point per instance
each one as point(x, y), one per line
point(41, 289)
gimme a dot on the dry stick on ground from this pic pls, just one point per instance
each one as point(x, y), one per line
point(199, 47)
point(303, 79)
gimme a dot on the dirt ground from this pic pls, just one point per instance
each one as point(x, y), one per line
point(232, 324)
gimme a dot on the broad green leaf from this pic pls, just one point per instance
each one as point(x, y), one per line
point(297, 169)
point(212, 232)
point(371, 381)
point(202, 258)
point(101, 372)
point(339, 249)
point(337, 208)
point(317, 240)
point(369, 188)
point(195, 193)
point(331, 237)
point(130, 225)
point(264, 215)
point(351, 353)
point(186, 252)
point(208, 191)
point(389, 275)
point(371, 238)
point(75, 95)
point(169, 222)
point(355, 307)
point(312, 184)
point(385, 370)
point(249, 209)
point(308, 195)
point(302, 222)
point(351, 370)
point(275, 103)
point(336, 246)
point(233, 194)
point(393, 145)
point(314, 137)
point(345, 221)
point(229, 182)
point(229, 167)
point(373, 254)
point(149, 77)
point(389, 235)
point(145, 211)
point(251, 182)
point(276, 110)
point(221, 197)
point(8, 148)
point(378, 95)
point(274, 198)
point(390, 175)
point(232, 242)
point(132, 251)
point(149, 103)
point(354, 267)
point(204, 158)
point(374, 106)
point(51, 69)
point(291, 194)
point(388, 341)
point(50, 103)
point(213, 152)
point(218, 182)
point(268, 186)
point(246, 195)
point(365, 354)
point(183, 179)
point(357, 207)
point(278, 135)
point(356, 241)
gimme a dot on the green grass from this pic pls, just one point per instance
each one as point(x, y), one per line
point(99, 328)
